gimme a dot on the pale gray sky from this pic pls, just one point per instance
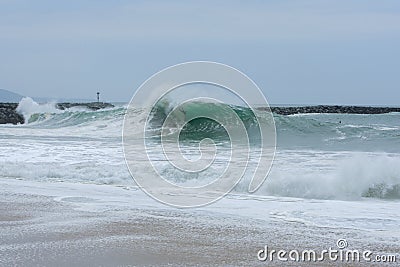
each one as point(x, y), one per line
point(299, 51)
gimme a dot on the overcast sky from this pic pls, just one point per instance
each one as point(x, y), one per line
point(298, 52)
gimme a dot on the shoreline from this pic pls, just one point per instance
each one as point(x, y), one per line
point(67, 224)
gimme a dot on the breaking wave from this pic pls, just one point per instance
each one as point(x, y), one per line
point(332, 169)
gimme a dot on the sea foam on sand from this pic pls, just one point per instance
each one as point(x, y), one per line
point(84, 224)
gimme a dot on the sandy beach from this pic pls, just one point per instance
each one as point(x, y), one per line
point(200, 133)
point(49, 224)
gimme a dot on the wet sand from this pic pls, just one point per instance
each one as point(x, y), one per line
point(37, 230)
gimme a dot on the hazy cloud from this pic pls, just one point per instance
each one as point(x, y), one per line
point(176, 21)
point(297, 51)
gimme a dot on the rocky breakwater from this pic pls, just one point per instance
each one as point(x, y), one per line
point(91, 105)
point(9, 114)
point(334, 109)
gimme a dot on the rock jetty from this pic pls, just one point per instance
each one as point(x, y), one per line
point(91, 105)
point(8, 114)
point(333, 109)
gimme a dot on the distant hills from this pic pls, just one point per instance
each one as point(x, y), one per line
point(9, 97)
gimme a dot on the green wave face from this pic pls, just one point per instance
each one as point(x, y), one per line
point(383, 191)
point(74, 117)
point(202, 126)
point(342, 132)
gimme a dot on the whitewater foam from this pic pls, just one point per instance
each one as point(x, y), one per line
point(322, 156)
point(345, 176)
point(28, 107)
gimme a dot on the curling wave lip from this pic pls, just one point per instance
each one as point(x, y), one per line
point(165, 81)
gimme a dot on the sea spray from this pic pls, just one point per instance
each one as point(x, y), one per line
point(27, 107)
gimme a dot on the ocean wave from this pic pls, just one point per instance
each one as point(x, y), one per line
point(47, 115)
point(354, 177)
point(339, 176)
point(317, 153)
point(318, 131)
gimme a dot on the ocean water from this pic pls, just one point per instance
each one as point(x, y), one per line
point(353, 159)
